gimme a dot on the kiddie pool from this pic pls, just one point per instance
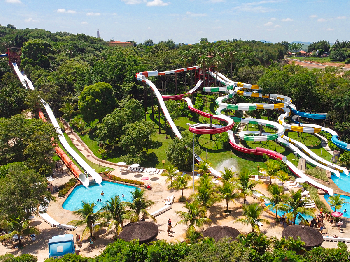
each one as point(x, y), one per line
point(92, 193)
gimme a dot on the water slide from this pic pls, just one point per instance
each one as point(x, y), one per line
point(90, 171)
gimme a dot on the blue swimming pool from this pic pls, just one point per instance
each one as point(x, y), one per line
point(93, 193)
point(281, 213)
point(343, 182)
point(345, 206)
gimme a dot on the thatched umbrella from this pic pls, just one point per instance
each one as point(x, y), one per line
point(218, 232)
point(142, 230)
point(311, 236)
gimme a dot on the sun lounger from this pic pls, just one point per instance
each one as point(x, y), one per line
point(169, 200)
point(68, 227)
point(257, 195)
point(49, 219)
point(161, 211)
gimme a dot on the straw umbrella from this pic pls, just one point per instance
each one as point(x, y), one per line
point(142, 230)
point(219, 232)
point(311, 236)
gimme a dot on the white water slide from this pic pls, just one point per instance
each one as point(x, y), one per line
point(90, 171)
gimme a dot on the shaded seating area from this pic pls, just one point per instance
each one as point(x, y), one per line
point(311, 236)
point(219, 232)
point(53, 223)
point(142, 231)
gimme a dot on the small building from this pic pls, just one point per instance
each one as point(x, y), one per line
point(61, 245)
point(119, 43)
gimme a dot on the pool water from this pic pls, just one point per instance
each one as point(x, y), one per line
point(344, 206)
point(280, 213)
point(343, 182)
point(93, 193)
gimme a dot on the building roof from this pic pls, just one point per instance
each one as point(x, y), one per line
point(119, 42)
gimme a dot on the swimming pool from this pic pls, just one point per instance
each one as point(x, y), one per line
point(93, 193)
point(344, 206)
point(343, 182)
point(280, 213)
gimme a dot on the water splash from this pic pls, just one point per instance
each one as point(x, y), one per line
point(228, 163)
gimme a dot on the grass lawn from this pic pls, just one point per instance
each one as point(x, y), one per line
point(315, 59)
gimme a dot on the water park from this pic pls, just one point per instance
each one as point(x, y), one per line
point(241, 128)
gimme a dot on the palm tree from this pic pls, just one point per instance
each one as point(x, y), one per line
point(180, 183)
point(87, 216)
point(195, 216)
point(283, 176)
point(252, 214)
point(277, 197)
point(295, 205)
point(228, 174)
point(202, 168)
point(245, 185)
point(227, 192)
point(139, 205)
point(170, 173)
point(206, 194)
point(114, 211)
point(336, 202)
point(272, 167)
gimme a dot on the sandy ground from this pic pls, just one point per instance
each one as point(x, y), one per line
point(158, 194)
point(310, 64)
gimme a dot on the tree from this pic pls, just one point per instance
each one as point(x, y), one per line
point(88, 218)
point(179, 152)
point(294, 205)
point(170, 173)
point(115, 212)
point(276, 198)
point(227, 192)
point(244, 184)
point(180, 183)
point(22, 191)
point(252, 214)
point(228, 174)
point(206, 193)
point(96, 101)
point(36, 52)
point(202, 167)
point(29, 141)
point(195, 216)
point(336, 202)
point(139, 205)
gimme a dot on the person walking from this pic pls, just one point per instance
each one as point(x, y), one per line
point(169, 226)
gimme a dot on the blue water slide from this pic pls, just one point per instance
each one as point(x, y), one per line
point(308, 115)
point(340, 144)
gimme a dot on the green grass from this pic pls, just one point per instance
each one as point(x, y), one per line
point(315, 59)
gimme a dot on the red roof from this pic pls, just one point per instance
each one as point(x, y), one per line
point(119, 42)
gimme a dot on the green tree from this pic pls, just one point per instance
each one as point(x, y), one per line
point(195, 216)
point(88, 218)
point(295, 205)
point(244, 184)
point(96, 101)
point(171, 172)
point(228, 174)
point(252, 215)
point(37, 52)
point(336, 202)
point(227, 192)
point(206, 192)
point(115, 212)
point(277, 197)
point(181, 182)
point(139, 205)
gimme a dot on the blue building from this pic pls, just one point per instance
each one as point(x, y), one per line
point(61, 245)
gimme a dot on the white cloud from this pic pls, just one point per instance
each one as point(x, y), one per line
point(84, 23)
point(287, 20)
point(157, 3)
point(329, 29)
point(29, 20)
point(195, 15)
point(313, 16)
point(273, 19)
point(216, 1)
point(268, 24)
point(321, 20)
point(133, 2)
point(13, 1)
point(66, 11)
point(341, 17)
point(256, 7)
point(93, 14)
point(277, 26)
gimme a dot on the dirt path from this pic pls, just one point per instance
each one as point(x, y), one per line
point(313, 64)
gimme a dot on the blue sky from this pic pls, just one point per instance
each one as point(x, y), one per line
point(185, 21)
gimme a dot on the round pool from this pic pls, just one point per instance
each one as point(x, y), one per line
point(344, 206)
point(280, 213)
point(343, 182)
point(92, 194)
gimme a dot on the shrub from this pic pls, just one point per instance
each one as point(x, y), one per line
point(63, 190)
point(125, 180)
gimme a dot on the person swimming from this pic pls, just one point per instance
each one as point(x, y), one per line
point(102, 194)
